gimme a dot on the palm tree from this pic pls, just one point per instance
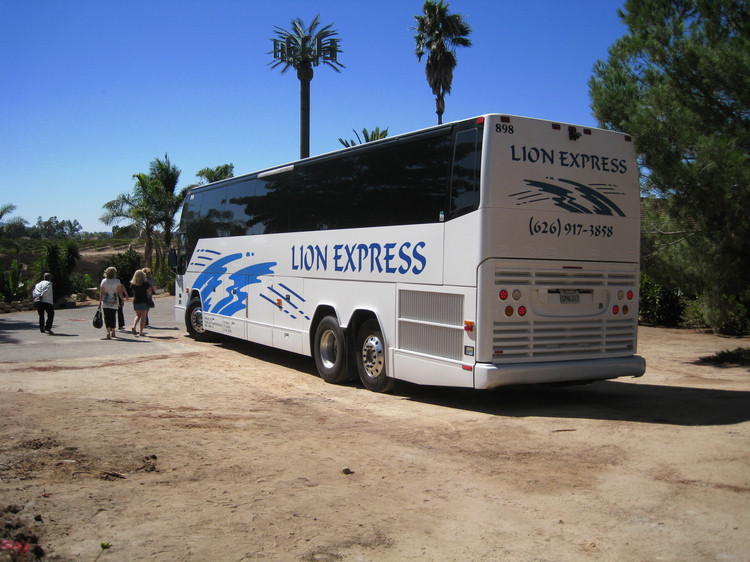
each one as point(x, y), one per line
point(438, 34)
point(369, 136)
point(141, 208)
point(165, 176)
point(216, 174)
point(6, 209)
point(303, 48)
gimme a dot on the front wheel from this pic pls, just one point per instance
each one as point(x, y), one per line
point(330, 351)
point(194, 320)
point(370, 349)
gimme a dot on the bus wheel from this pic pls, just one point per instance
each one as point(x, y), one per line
point(330, 351)
point(371, 358)
point(194, 320)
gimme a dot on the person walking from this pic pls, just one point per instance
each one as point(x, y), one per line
point(141, 293)
point(43, 298)
point(152, 282)
point(120, 313)
point(110, 293)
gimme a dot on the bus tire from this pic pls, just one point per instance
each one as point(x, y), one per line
point(329, 350)
point(370, 351)
point(194, 320)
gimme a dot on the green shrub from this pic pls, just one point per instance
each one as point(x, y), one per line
point(14, 287)
point(79, 282)
point(726, 314)
point(165, 280)
point(659, 305)
point(60, 259)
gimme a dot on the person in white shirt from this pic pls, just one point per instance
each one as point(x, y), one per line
point(44, 302)
point(110, 293)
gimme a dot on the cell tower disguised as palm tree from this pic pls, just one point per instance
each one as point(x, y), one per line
point(303, 48)
point(438, 34)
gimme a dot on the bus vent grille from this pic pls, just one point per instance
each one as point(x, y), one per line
point(431, 323)
point(563, 339)
point(440, 308)
point(558, 278)
point(440, 341)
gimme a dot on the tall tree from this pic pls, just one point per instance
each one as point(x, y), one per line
point(679, 83)
point(438, 33)
point(165, 176)
point(141, 208)
point(302, 48)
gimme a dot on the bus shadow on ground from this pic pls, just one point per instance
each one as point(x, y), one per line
point(604, 400)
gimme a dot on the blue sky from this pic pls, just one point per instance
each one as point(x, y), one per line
point(94, 90)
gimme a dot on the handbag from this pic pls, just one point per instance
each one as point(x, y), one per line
point(98, 322)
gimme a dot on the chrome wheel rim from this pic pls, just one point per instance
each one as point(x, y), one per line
point(373, 358)
point(328, 349)
point(196, 320)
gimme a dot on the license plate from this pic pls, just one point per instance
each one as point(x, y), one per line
point(570, 297)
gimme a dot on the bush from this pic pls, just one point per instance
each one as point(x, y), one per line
point(165, 280)
point(659, 305)
point(13, 287)
point(59, 259)
point(80, 282)
point(726, 314)
point(693, 316)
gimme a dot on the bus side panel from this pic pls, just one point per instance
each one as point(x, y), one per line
point(436, 340)
point(462, 252)
point(291, 317)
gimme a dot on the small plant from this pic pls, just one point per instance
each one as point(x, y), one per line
point(16, 550)
point(12, 286)
point(103, 546)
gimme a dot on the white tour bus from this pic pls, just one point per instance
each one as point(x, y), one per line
point(491, 251)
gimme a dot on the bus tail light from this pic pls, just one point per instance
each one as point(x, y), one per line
point(615, 309)
point(522, 311)
point(503, 295)
point(468, 326)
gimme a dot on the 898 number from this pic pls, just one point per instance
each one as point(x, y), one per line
point(504, 128)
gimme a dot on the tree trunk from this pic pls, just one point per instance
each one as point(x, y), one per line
point(305, 75)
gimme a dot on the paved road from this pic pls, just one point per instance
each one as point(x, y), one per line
point(75, 337)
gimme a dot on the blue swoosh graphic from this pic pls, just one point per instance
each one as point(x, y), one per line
point(208, 281)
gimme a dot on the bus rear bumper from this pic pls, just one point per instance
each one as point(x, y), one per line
point(491, 376)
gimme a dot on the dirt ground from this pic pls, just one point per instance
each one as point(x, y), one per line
point(234, 452)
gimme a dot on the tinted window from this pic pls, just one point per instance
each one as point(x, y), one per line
point(241, 207)
point(405, 180)
point(465, 180)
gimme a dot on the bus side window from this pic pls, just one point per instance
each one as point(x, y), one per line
point(241, 207)
point(465, 177)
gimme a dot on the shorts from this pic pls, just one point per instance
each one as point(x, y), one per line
point(140, 306)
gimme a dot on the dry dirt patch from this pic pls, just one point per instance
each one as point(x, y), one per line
point(236, 452)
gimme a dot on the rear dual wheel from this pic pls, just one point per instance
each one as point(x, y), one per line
point(370, 356)
point(330, 351)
